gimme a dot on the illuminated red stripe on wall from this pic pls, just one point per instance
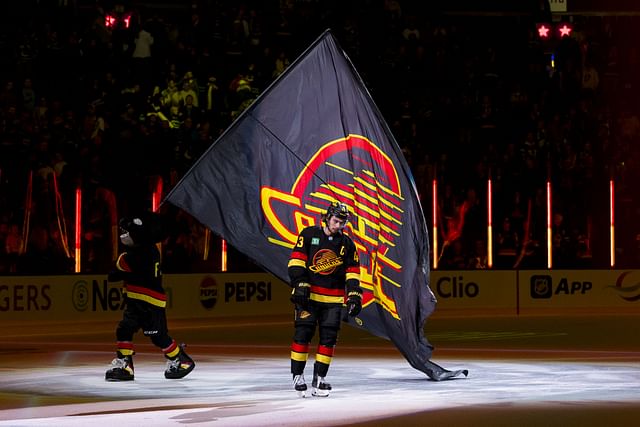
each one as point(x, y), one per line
point(78, 233)
point(612, 225)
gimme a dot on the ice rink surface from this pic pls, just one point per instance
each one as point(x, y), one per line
point(522, 372)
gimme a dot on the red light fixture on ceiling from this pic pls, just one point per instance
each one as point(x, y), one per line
point(564, 30)
point(543, 30)
point(110, 21)
point(115, 21)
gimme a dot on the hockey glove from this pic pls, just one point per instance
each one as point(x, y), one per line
point(354, 303)
point(301, 294)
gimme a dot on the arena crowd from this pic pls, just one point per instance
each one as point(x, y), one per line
point(115, 97)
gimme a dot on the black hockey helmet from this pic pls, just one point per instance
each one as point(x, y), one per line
point(337, 209)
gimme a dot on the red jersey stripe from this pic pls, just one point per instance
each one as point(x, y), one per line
point(326, 351)
point(299, 255)
point(326, 291)
point(300, 348)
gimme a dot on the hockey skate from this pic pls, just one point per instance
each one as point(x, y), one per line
point(180, 366)
point(321, 388)
point(121, 369)
point(299, 385)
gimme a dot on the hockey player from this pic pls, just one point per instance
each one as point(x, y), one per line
point(324, 270)
point(139, 267)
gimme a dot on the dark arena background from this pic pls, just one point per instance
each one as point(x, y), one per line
point(519, 121)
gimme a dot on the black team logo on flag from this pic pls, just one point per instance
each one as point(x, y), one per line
point(314, 136)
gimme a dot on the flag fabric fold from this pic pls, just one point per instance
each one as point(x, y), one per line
point(314, 136)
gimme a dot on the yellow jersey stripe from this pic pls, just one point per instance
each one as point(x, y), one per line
point(146, 298)
point(323, 359)
point(300, 357)
point(327, 299)
point(174, 353)
point(296, 263)
point(353, 276)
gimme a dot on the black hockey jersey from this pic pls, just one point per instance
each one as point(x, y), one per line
point(328, 263)
point(139, 267)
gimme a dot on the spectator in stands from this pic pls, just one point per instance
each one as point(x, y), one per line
point(478, 260)
point(13, 245)
point(507, 245)
point(281, 63)
point(4, 230)
point(190, 87)
point(142, 57)
point(41, 255)
point(28, 96)
point(171, 96)
point(561, 242)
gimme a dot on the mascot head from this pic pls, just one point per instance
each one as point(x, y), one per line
point(145, 229)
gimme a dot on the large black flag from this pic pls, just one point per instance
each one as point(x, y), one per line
point(314, 136)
